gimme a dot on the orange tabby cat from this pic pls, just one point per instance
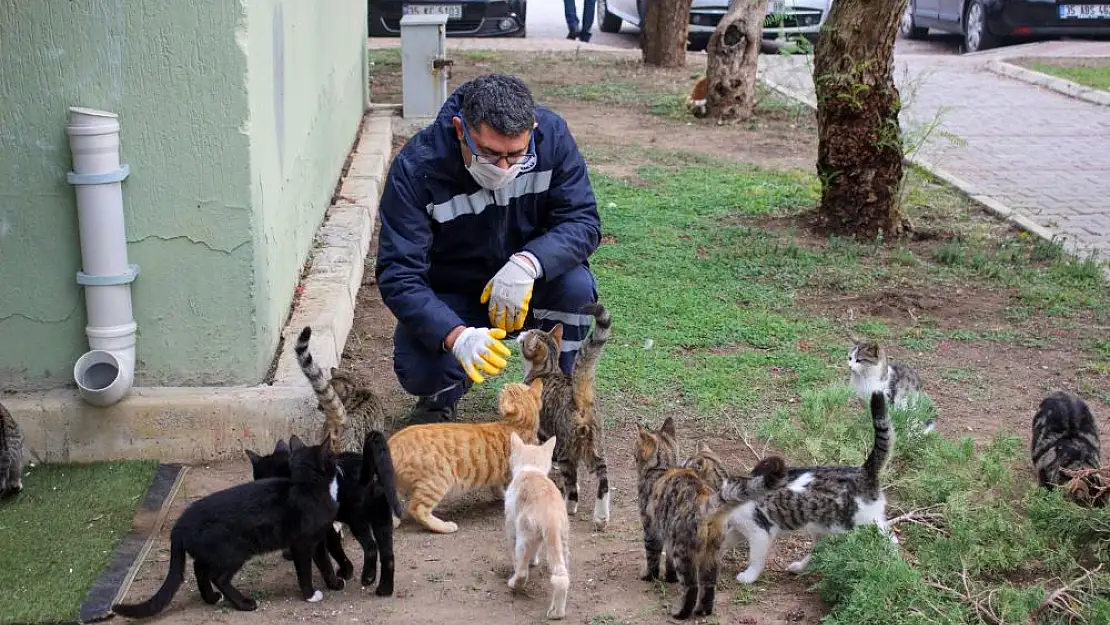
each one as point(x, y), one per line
point(431, 459)
point(535, 517)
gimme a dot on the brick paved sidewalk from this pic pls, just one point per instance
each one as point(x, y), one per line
point(1043, 154)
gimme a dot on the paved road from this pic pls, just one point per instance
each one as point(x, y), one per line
point(1041, 153)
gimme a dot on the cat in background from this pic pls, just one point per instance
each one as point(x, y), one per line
point(818, 500)
point(367, 495)
point(431, 459)
point(873, 371)
point(225, 529)
point(11, 454)
point(352, 411)
point(1065, 436)
point(696, 101)
point(535, 517)
point(684, 516)
point(707, 464)
point(569, 410)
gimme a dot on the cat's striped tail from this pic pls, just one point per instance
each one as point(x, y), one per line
point(884, 438)
point(162, 598)
point(329, 401)
point(585, 362)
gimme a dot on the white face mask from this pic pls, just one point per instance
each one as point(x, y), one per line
point(490, 176)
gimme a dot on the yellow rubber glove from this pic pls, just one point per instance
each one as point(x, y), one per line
point(509, 292)
point(481, 349)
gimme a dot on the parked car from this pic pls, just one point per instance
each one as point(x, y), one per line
point(465, 18)
point(789, 19)
point(988, 23)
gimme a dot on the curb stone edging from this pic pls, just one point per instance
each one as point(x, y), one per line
point(202, 424)
point(113, 583)
point(989, 203)
point(1052, 83)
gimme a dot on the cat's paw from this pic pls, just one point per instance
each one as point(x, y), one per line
point(556, 613)
point(748, 577)
point(316, 597)
point(212, 598)
point(517, 581)
point(368, 580)
point(535, 559)
point(346, 570)
point(649, 576)
point(384, 590)
point(396, 522)
point(797, 567)
point(337, 584)
point(246, 605)
point(446, 527)
point(572, 507)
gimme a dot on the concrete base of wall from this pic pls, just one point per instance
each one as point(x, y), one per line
point(196, 424)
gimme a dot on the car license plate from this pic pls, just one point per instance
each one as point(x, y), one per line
point(453, 11)
point(776, 7)
point(1084, 11)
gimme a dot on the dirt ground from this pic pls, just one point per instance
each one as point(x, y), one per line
point(460, 579)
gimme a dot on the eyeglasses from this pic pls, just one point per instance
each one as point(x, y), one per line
point(493, 159)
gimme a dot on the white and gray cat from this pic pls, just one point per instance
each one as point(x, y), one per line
point(817, 500)
point(872, 371)
point(11, 454)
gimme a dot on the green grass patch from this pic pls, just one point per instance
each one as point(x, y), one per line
point(1095, 76)
point(61, 532)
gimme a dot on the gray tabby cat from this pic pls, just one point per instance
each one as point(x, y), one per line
point(1065, 436)
point(11, 454)
point(569, 411)
point(352, 411)
point(872, 371)
point(817, 500)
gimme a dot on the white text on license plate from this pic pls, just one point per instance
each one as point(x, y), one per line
point(453, 11)
point(1084, 11)
point(775, 7)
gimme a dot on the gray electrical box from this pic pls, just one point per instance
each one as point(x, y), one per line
point(425, 67)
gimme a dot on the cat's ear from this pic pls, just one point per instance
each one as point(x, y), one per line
point(515, 443)
point(254, 458)
point(334, 373)
point(669, 427)
point(549, 447)
point(646, 445)
point(323, 450)
point(295, 443)
point(557, 334)
point(536, 387)
point(281, 447)
point(703, 447)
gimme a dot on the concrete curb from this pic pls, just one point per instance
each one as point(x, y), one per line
point(1052, 83)
point(987, 202)
point(194, 424)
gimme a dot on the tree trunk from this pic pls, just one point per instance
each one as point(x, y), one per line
point(664, 32)
point(733, 61)
point(859, 151)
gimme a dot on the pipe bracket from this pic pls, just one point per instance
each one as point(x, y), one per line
point(119, 175)
point(85, 279)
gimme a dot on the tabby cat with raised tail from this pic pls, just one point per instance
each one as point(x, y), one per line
point(819, 500)
point(431, 459)
point(225, 529)
point(11, 454)
point(570, 407)
point(1065, 436)
point(352, 411)
point(872, 370)
point(684, 517)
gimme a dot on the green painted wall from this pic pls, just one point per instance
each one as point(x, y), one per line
point(236, 116)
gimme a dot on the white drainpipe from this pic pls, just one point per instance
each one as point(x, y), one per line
point(105, 373)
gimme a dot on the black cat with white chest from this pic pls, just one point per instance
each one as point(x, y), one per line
point(225, 529)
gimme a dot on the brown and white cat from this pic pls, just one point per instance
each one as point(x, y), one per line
point(1065, 436)
point(535, 518)
point(873, 371)
point(818, 500)
point(11, 454)
point(431, 459)
point(685, 517)
point(351, 411)
point(696, 101)
point(570, 407)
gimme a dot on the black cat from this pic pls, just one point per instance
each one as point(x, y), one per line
point(367, 503)
point(225, 529)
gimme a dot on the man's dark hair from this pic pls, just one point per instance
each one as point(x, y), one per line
point(501, 101)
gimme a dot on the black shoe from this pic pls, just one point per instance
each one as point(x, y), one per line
point(585, 37)
point(572, 35)
point(426, 412)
